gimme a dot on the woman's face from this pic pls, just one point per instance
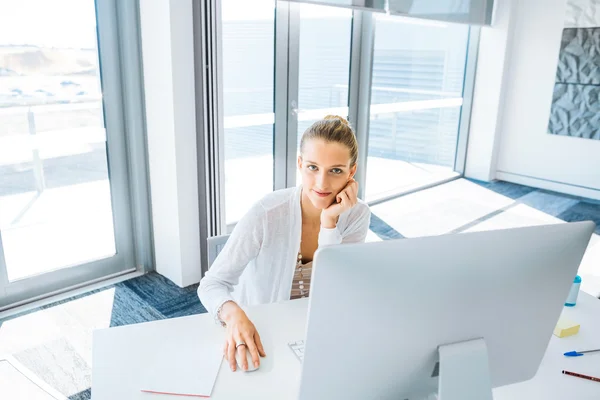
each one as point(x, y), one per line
point(325, 169)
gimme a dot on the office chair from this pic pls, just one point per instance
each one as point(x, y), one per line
point(215, 244)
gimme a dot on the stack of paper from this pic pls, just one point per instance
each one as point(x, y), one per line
point(178, 368)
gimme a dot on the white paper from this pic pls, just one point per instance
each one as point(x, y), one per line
point(183, 365)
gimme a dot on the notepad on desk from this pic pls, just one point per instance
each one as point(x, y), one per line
point(565, 327)
point(186, 369)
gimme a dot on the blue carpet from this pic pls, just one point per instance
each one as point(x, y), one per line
point(383, 230)
point(583, 211)
point(165, 297)
point(125, 300)
point(511, 190)
point(563, 206)
point(83, 395)
point(549, 203)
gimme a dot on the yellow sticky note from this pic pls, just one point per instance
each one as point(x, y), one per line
point(564, 328)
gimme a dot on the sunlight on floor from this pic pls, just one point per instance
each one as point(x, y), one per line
point(73, 321)
point(441, 209)
point(519, 215)
point(386, 177)
point(372, 237)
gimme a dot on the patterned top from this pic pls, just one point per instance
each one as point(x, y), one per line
point(301, 282)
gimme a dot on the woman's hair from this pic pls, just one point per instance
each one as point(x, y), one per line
point(333, 128)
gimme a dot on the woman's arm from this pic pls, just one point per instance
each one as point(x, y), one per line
point(242, 246)
point(358, 228)
point(355, 232)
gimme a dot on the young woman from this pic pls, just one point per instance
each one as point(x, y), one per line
point(268, 257)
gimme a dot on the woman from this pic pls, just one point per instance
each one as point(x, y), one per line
point(268, 257)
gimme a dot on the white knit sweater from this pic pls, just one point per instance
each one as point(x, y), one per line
point(256, 266)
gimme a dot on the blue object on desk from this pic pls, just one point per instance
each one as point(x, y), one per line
point(572, 299)
point(573, 354)
point(579, 353)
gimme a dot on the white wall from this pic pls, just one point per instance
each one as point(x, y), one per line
point(582, 14)
point(168, 62)
point(488, 94)
point(525, 152)
point(526, 148)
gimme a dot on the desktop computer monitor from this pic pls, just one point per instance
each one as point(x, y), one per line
point(453, 314)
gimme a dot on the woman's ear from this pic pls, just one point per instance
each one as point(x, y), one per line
point(299, 162)
point(353, 171)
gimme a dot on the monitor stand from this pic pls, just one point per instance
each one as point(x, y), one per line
point(464, 371)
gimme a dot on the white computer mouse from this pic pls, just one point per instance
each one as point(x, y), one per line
point(238, 359)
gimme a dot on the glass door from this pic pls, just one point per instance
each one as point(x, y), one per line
point(248, 68)
point(400, 81)
point(64, 204)
point(273, 55)
point(417, 88)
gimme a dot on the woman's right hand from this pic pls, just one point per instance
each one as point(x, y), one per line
point(240, 330)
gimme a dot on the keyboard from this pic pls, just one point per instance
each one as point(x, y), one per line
point(298, 349)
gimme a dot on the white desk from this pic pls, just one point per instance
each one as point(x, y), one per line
point(119, 356)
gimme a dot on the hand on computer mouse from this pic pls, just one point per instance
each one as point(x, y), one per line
point(241, 337)
point(241, 356)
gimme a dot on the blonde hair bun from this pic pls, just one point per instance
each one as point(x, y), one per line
point(342, 119)
point(333, 128)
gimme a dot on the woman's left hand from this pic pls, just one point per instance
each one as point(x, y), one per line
point(345, 200)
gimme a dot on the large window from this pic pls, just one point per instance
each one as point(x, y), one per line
point(248, 101)
point(54, 192)
point(416, 98)
point(249, 61)
point(287, 64)
point(65, 215)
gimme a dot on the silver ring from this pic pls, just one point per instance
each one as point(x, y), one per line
point(239, 344)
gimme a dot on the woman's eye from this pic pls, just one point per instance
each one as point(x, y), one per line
point(336, 171)
point(312, 167)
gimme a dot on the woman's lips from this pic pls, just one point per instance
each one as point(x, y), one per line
point(321, 194)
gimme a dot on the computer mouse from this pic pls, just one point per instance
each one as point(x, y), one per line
point(238, 359)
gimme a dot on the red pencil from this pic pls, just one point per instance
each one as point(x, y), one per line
point(591, 378)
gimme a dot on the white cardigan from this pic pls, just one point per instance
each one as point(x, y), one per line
point(259, 257)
